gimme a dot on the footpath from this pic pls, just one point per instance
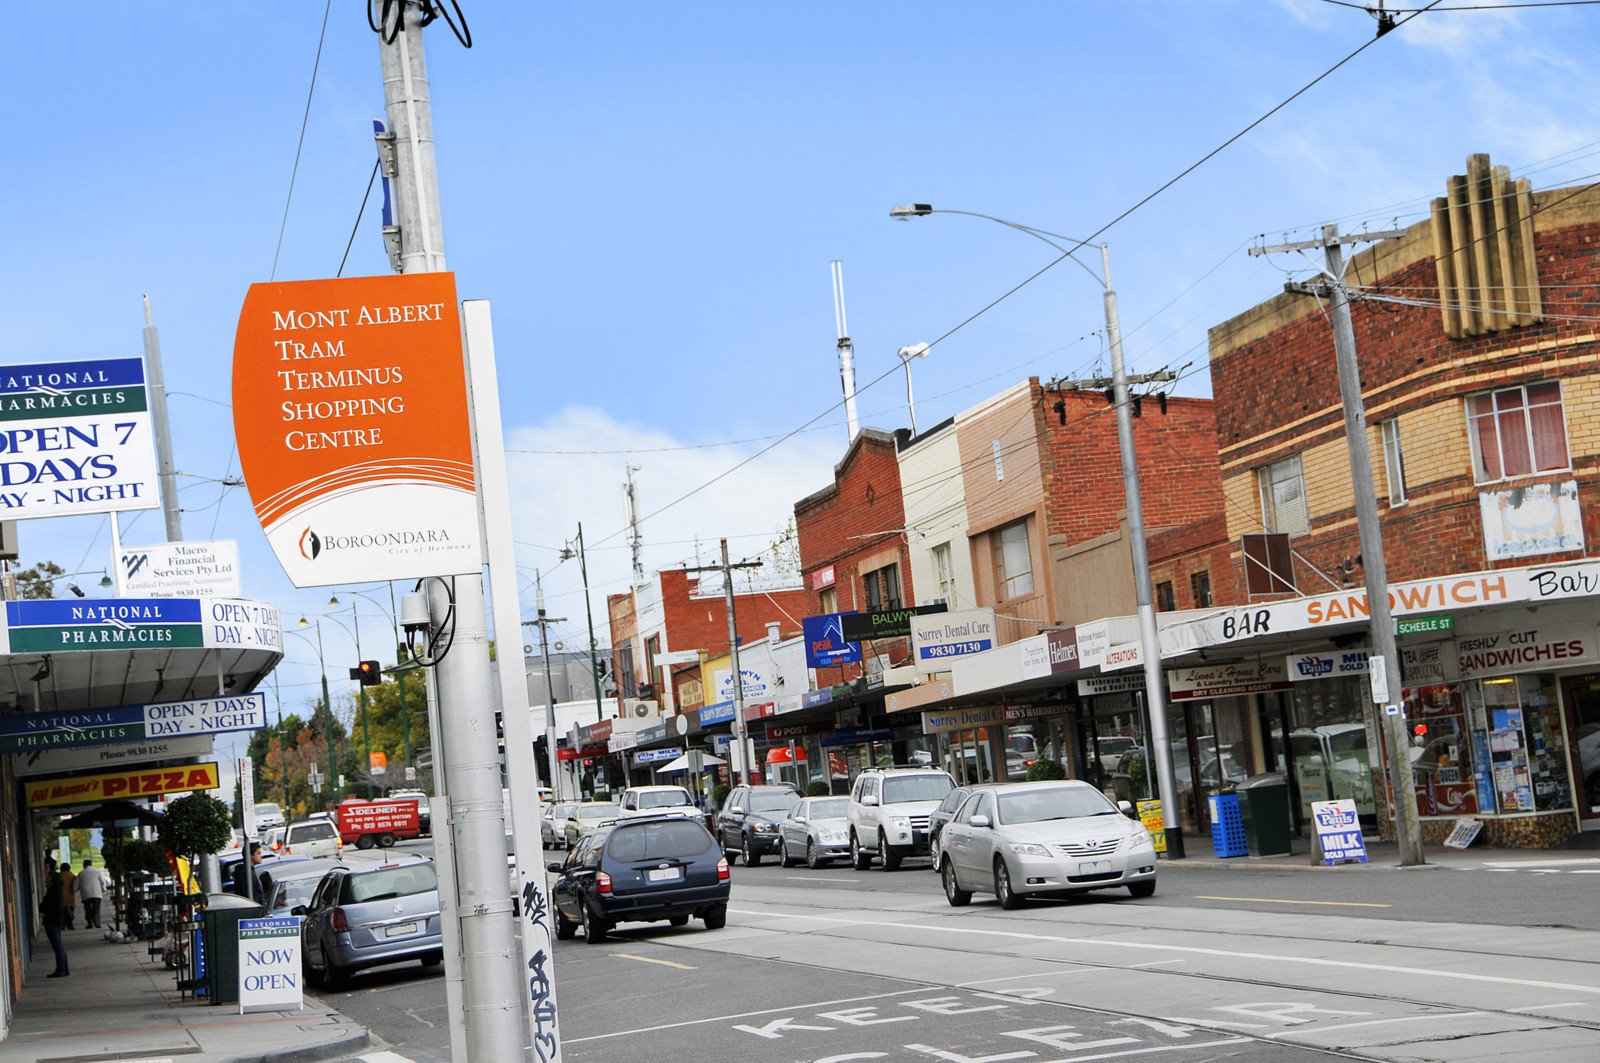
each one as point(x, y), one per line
point(119, 1005)
point(1385, 856)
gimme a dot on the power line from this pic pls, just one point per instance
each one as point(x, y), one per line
point(305, 118)
point(353, 229)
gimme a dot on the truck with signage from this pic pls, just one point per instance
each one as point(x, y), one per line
point(380, 823)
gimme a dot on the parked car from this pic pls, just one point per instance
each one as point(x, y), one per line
point(311, 837)
point(268, 815)
point(889, 809)
point(364, 915)
point(272, 864)
point(942, 815)
point(641, 870)
point(424, 809)
point(586, 816)
point(294, 882)
point(657, 800)
point(816, 830)
point(1043, 838)
point(553, 821)
point(272, 842)
point(747, 823)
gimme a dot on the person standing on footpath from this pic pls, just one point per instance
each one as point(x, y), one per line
point(69, 894)
point(53, 913)
point(91, 886)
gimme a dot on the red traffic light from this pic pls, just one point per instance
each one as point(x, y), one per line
point(368, 673)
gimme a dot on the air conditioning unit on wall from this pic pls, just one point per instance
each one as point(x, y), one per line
point(640, 708)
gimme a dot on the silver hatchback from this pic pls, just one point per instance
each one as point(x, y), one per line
point(364, 915)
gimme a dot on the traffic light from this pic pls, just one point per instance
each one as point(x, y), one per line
point(368, 673)
point(1420, 730)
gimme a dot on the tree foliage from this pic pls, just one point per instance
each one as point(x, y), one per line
point(39, 580)
point(196, 824)
point(1045, 769)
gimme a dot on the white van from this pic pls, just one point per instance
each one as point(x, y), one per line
point(311, 837)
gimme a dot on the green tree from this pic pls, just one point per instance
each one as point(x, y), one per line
point(39, 581)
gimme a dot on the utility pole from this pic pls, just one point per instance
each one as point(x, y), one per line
point(630, 500)
point(568, 554)
point(492, 989)
point(1384, 661)
point(543, 624)
point(166, 474)
point(847, 353)
point(741, 730)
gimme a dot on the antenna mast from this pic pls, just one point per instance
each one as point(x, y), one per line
point(847, 352)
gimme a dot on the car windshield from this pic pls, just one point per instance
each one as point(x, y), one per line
point(312, 831)
point(1057, 802)
point(562, 811)
point(916, 788)
point(268, 810)
point(596, 811)
point(771, 800)
point(653, 841)
point(830, 808)
point(399, 881)
point(664, 798)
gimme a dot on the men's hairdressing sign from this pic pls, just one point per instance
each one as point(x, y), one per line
point(75, 437)
point(132, 723)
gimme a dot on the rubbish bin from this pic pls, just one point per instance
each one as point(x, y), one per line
point(1264, 804)
point(1227, 832)
point(219, 937)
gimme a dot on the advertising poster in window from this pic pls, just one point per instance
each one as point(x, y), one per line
point(1532, 520)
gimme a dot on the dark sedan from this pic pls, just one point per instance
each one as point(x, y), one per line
point(641, 870)
point(942, 815)
point(747, 824)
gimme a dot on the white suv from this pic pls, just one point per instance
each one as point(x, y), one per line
point(889, 813)
point(658, 801)
point(311, 837)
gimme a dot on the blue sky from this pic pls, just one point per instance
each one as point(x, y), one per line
point(650, 195)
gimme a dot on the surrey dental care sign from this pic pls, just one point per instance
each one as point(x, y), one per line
point(350, 408)
point(75, 437)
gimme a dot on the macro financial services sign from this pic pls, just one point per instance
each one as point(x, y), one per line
point(350, 408)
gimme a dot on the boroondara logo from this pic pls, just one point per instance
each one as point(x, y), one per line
point(310, 544)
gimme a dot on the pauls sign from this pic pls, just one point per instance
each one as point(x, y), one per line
point(350, 409)
point(75, 437)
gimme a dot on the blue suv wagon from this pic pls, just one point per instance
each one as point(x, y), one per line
point(641, 870)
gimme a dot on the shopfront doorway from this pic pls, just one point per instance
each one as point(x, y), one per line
point(1581, 696)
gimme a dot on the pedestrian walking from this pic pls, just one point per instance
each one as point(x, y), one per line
point(69, 894)
point(91, 887)
point(52, 912)
point(249, 882)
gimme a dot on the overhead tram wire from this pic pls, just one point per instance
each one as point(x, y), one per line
point(305, 118)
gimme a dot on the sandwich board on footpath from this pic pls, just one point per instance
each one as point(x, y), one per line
point(269, 964)
point(1339, 838)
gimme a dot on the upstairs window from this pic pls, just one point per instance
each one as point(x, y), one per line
point(1517, 432)
point(1394, 466)
point(1166, 597)
point(1013, 560)
point(883, 588)
point(1200, 588)
point(830, 600)
point(1283, 497)
point(944, 574)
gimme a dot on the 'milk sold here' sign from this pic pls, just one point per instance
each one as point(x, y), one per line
point(350, 408)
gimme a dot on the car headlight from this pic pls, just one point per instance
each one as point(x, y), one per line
point(900, 822)
point(765, 828)
point(1141, 840)
point(831, 837)
point(1028, 848)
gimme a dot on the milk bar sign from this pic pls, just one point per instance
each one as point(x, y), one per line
point(75, 437)
point(132, 723)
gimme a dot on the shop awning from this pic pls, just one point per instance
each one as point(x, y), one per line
point(682, 764)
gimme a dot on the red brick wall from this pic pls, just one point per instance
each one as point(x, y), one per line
point(1177, 554)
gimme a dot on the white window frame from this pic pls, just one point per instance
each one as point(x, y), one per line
point(944, 576)
point(1269, 511)
point(1004, 577)
point(1480, 473)
point(1394, 464)
point(829, 599)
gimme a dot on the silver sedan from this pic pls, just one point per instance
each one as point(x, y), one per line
point(816, 831)
point(1043, 838)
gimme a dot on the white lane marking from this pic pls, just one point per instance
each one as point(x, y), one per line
point(816, 878)
point(1279, 900)
point(1552, 1007)
point(1516, 864)
point(1370, 1022)
point(1157, 963)
point(651, 959)
point(384, 1057)
point(412, 1013)
point(1146, 1050)
point(1195, 950)
point(1017, 977)
point(744, 1015)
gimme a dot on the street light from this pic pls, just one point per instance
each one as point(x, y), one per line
point(327, 706)
point(919, 350)
point(1149, 641)
point(405, 714)
point(567, 554)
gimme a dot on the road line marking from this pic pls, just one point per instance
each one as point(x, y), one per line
point(816, 878)
point(1551, 1007)
point(1156, 963)
point(1372, 1022)
point(1514, 864)
point(651, 959)
point(1019, 977)
point(748, 1014)
point(383, 1057)
point(1278, 900)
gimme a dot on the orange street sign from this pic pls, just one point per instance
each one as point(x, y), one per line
point(350, 409)
point(378, 760)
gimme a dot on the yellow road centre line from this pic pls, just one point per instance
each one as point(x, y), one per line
point(651, 959)
point(1276, 900)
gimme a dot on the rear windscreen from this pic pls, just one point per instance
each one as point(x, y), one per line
point(389, 882)
point(652, 841)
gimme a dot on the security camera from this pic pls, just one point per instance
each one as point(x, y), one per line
point(414, 612)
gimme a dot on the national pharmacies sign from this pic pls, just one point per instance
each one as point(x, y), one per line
point(51, 626)
point(75, 437)
point(350, 410)
point(132, 723)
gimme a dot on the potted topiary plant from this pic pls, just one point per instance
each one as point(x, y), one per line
point(1044, 769)
point(195, 825)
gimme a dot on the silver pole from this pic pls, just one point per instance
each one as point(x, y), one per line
point(1385, 657)
point(740, 730)
point(1149, 640)
point(491, 990)
point(544, 623)
point(847, 362)
point(167, 475)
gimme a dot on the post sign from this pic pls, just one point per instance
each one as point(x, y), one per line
point(1424, 625)
point(132, 723)
point(179, 570)
point(1339, 837)
point(88, 789)
point(76, 439)
point(350, 409)
point(247, 797)
point(377, 762)
point(269, 964)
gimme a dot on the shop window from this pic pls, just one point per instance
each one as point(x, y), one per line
point(1013, 560)
point(1517, 432)
point(883, 588)
point(1166, 597)
point(944, 574)
point(1200, 589)
point(830, 600)
point(1394, 468)
point(1283, 497)
point(1518, 749)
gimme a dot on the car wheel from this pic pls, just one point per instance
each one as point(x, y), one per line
point(333, 976)
point(784, 859)
point(752, 858)
point(730, 855)
point(595, 929)
point(432, 959)
point(364, 842)
point(859, 859)
point(1002, 887)
point(313, 976)
point(386, 840)
point(716, 917)
point(890, 861)
point(565, 927)
point(958, 897)
point(679, 920)
point(813, 861)
point(1143, 889)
